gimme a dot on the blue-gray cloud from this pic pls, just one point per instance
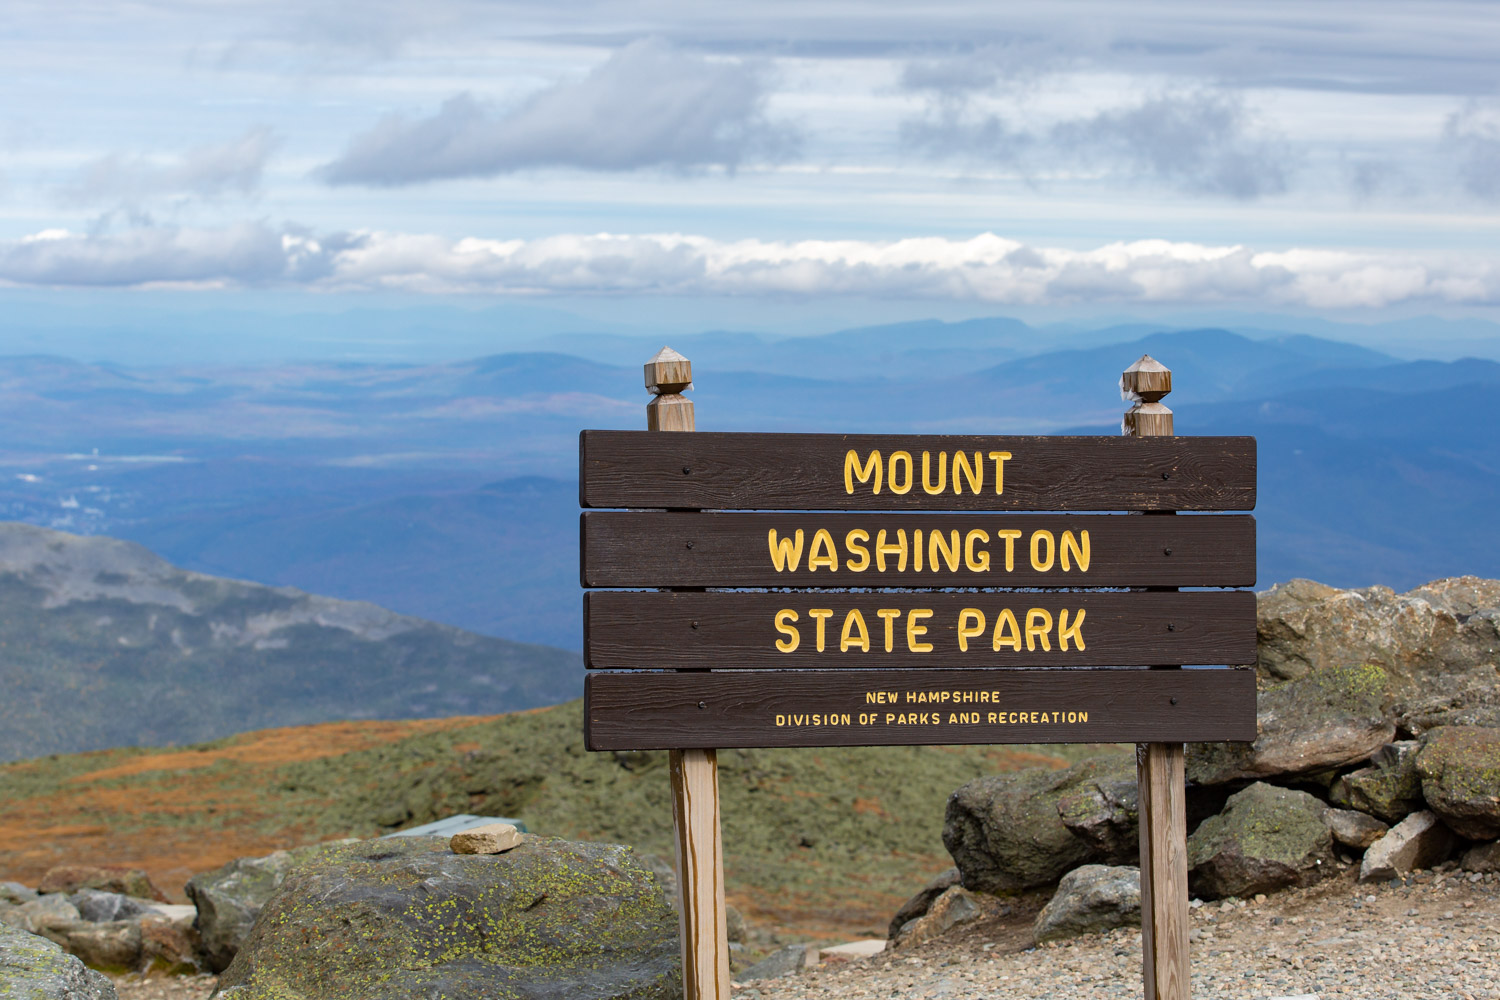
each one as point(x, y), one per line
point(1200, 142)
point(229, 168)
point(649, 105)
point(1474, 132)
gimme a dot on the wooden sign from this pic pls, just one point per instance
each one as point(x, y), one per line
point(914, 472)
point(821, 708)
point(643, 630)
point(661, 549)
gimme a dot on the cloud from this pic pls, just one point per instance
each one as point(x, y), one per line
point(1200, 142)
point(1474, 132)
point(649, 105)
point(986, 268)
point(234, 167)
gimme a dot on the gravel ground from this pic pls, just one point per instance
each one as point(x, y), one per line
point(1437, 936)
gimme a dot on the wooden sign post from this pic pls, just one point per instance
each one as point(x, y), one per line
point(882, 590)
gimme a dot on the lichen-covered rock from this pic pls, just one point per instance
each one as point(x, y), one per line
point(1091, 899)
point(401, 918)
point(107, 878)
point(1460, 771)
point(1103, 811)
point(33, 968)
point(1267, 838)
point(1390, 788)
point(229, 898)
point(922, 901)
point(1353, 828)
point(1418, 841)
point(1323, 719)
point(42, 913)
point(1006, 832)
point(1446, 626)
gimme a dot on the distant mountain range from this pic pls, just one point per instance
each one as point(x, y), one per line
point(102, 644)
point(448, 491)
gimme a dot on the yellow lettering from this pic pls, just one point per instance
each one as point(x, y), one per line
point(937, 546)
point(822, 542)
point(1037, 562)
point(822, 615)
point(1038, 624)
point(916, 550)
point(853, 469)
point(976, 562)
point(848, 637)
point(973, 473)
point(1083, 716)
point(904, 457)
point(942, 464)
point(781, 720)
point(793, 637)
point(913, 630)
point(852, 543)
point(1000, 457)
point(890, 615)
point(1010, 535)
point(1074, 631)
point(882, 550)
point(1006, 636)
point(785, 552)
point(967, 631)
point(1080, 551)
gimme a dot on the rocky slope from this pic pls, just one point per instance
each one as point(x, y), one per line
point(103, 644)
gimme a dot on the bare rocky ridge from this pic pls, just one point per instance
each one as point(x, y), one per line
point(108, 645)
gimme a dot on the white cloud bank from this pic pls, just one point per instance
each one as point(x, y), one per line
point(986, 268)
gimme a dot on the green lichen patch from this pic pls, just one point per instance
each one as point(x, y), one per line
point(1460, 773)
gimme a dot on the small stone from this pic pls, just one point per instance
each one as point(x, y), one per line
point(1482, 859)
point(40, 914)
point(492, 838)
point(782, 962)
point(1090, 899)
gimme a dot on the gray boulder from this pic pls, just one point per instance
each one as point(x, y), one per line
point(920, 903)
point(1091, 899)
point(1482, 858)
point(1103, 811)
point(98, 907)
point(42, 913)
point(1324, 719)
point(1460, 772)
point(1418, 841)
point(1354, 829)
point(34, 968)
point(1390, 788)
point(229, 898)
point(1267, 838)
point(396, 919)
point(955, 906)
point(15, 893)
point(114, 946)
point(782, 962)
point(1006, 832)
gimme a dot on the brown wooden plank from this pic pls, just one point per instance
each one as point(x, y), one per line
point(646, 630)
point(736, 708)
point(662, 549)
point(807, 472)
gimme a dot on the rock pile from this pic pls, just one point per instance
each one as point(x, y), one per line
point(1378, 743)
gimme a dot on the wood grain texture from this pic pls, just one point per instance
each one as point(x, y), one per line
point(806, 472)
point(661, 549)
point(643, 630)
point(1161, 777)
point(646, 711)
point(700, 874)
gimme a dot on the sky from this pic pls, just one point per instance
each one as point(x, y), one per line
point(1333, 158)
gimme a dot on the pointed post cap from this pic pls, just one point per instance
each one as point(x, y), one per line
point(1146, 381)
point(668, 372)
